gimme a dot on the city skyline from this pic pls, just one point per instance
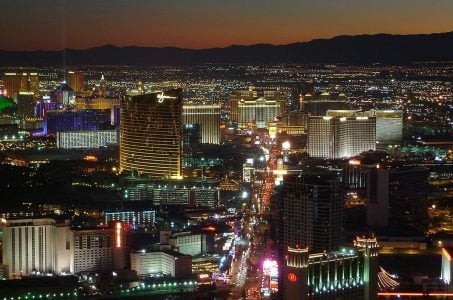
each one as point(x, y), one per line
point(226, 149)
point(317, 193)
point(204, 24)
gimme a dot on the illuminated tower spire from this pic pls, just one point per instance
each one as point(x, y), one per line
point(102, 86)
point(370, 246)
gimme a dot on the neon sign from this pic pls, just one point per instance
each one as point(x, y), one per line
point(292, 277)
point(161, 97)
point(118, 241)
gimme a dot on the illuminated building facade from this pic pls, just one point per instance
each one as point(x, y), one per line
point(76, 80)
point(290, 130)
point(247, 172)
point(93, 250)
point(238, 95)
point(318, 105)
point(340, 137)
point(100, 249)
point(167, 262)
point(14, 83)
point(389, 123)
point(102, 86)
point(167, 196)
point(138, 191)
point(349, 273)
point(186, 243)
point(86, 139)
point(258, 112)
point(355, 174)
point(132, 218)
point(73, 120)
point(203, 195)
point(37, 246)
point(112, 104)
point(184, 192)
point(96, 103)
point(252, 94)
point(389, 126)
point(208, 119)
point(45, 104)
point(151, 134)
point(270, 272)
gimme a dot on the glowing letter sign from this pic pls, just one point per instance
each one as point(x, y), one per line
point(161, 97)
point(292, 277)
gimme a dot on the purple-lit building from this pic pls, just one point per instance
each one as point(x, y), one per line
point(64, 95)
point(71, 120)
point(116, 116)
point(45, 105)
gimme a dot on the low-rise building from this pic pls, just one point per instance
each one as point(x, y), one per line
point(132, 218)
point(186, 243)
point(165, 262)
point(100, 249)
point(34, 246)
point(86, 139)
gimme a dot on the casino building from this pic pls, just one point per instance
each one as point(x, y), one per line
point(151, 134)
point(349, 273)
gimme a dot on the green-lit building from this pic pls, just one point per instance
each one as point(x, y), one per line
point(6, 104)
point(348, 274)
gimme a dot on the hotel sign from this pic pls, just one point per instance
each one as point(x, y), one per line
point(161, 97)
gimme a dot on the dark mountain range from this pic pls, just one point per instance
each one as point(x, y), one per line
point(361, 49)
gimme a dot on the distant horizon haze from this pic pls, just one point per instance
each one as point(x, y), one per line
point(29, 25)
point(220, 47)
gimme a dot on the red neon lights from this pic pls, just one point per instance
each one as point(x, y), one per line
point(118, 241)
point(292, 277)
point(409, 294)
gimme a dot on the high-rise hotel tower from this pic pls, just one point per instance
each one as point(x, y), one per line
point(207, 116)
point(340, 137)
point(310, 215)
point(150, 134)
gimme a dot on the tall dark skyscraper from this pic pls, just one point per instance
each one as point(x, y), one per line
point(310, 214)
point(191, 138)
point(397, 198)
point(312, 211)
point(151, 133)
point(26, 104)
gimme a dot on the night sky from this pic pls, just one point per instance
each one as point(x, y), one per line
point(56, 24)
